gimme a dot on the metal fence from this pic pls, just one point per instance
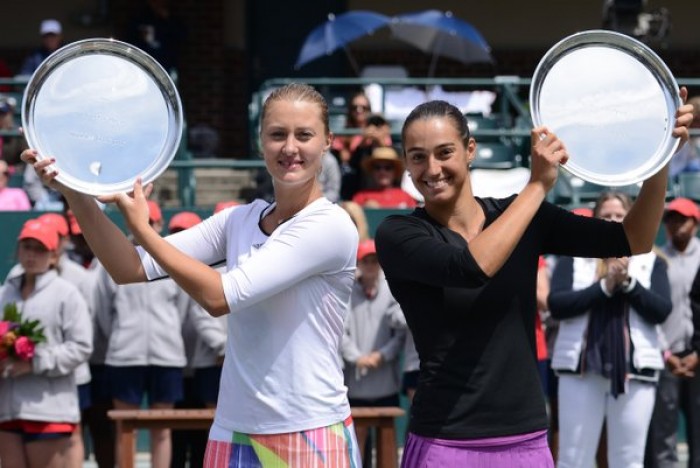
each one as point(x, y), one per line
point(511, 111)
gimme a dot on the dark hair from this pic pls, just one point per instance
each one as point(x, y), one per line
point(376, 120)
point(298, 92)
point(611, 195)
point(437, 109)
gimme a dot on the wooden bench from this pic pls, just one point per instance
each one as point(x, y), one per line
point(128, 421)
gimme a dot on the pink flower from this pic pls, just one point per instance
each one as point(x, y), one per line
point(24, 348)
point(4, 327)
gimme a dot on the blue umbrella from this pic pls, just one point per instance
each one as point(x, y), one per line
point(337, 32)
point(439, 34)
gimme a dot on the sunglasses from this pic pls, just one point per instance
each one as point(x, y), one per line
point(383, 167)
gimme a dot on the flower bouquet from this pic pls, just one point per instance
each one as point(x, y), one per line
point(18, 337)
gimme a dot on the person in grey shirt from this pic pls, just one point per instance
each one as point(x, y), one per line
point(39, 409)
point(330, 177)
point(372, 340)
point(679, 385)
point(83, 281)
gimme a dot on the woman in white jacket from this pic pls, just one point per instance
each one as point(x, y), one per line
point(607, 352)
point(38, 397)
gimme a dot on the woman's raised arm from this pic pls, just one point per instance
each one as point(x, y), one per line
point(109, 244)
point(642, 222)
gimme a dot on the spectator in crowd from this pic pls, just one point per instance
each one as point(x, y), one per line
point(607, 353)
point(39, 407)
point(371, 344)
point(464, 271)
point(81, 279)
point(376, 133)
point(145, 354)
point(11, 198)
point(290, 267)
point(330, 177)
point(51, 33)
point(358, 110)
point(385, 169)
point(10, 146)
point(43, 198)
point(204, 337)
point(679, 386)
point(79, 250)
point(159, 32)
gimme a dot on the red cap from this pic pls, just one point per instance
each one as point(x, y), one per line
point(73, 223)
point(685, 207)
point(154, 214)
point(56, 220)
point(184, 220)
point(365, 248)
point(41, 231)
point(222, 205)
point(583, 211)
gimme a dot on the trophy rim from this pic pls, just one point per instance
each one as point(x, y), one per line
point(652, 64)
point(149, 68)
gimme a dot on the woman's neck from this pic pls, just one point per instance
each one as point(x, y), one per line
point(463, 215)
point(291, 200)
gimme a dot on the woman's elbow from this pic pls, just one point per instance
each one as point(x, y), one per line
point(640, 242)
point(641, 247)
point(122, 278)
point(215, 308)
point(555, 313)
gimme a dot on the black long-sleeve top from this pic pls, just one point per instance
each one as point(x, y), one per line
point(475, 335)
point(695, 307)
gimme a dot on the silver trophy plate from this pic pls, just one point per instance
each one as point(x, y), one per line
point(106, 111)
point(612, 101)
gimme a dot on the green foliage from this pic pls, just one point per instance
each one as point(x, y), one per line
point(11, 313)
point(32, 329)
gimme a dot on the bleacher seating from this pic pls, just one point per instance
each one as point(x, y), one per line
point(689, 185)
point(337, 122)
point(574, 191)
point(213, 185)
point(478, 122)
point(16, 180)
point(494, 155)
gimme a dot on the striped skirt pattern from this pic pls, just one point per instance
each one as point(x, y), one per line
point(334, 446)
